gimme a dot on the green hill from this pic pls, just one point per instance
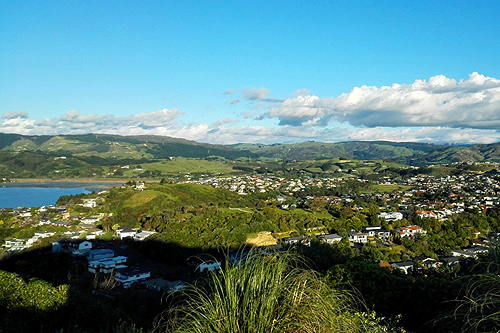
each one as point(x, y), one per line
point(100, 155)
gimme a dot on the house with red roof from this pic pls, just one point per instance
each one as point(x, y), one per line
point(411, 231)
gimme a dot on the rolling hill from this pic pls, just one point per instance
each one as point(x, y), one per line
point(21, 152)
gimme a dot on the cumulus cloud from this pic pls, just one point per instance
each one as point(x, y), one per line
point(252, 94)
point(300, 92)
point(440, 110)
point(259, 94)
point(15, 114)
point(440, 101)
point(74, 122)
point(226, 131)
point(224, 121)
point(284, 134)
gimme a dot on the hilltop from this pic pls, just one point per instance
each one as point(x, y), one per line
point(155, 157)
point(144, 147)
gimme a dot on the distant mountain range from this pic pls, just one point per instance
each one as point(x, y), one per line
point(104, 149)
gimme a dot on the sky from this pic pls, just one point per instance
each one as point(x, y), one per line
point(253, 71)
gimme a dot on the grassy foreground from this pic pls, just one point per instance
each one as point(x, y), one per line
point(268, 293)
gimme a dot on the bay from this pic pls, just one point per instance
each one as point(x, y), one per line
point(13, 195)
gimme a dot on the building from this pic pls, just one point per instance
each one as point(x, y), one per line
point(126, 231)
point(391, 216)
point(377, 231)
point(99, 254)
point(411, 230)
point(107, 265)
point(330, 238)
point(303, 240)
point(357, 237)
point(405, 266)
point(76, 247)
point(128, 276)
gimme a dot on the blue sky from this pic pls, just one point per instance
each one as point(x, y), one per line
point(253, 71)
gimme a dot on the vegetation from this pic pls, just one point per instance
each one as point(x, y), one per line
point(479, 309)
point(338, 289)
point(153, 157)
point(269, 293)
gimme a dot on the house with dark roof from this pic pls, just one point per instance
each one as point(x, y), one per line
point(126, 231)
point(330, 238)
point(128, 276)
point(406, 266)
point(357, 237)
point(76, 247)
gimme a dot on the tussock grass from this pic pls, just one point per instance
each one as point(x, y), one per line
point(481, 307)
point(479, 310)
point(268, 293)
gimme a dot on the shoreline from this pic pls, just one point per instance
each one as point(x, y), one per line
point(68, 180)
point(62, 183)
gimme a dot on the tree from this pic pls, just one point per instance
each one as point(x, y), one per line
point(355, 223)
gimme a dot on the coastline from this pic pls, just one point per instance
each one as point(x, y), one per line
point(68, 180)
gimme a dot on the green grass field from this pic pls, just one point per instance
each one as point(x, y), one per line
point(389, 188)
point(181, 165)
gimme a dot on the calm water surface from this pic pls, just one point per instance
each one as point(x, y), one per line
point(14, 195)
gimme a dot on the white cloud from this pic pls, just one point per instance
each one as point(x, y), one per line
point(261, 134)
point(300, 92)
point(439, 110)
point(225, 131)
point(440, 101)
point(256, 94)
point(74, 122)
point(15, 114)
point(252, 94)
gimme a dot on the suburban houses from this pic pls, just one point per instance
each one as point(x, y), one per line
point(422, 196)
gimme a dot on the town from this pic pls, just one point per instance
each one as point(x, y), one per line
point(390, 202)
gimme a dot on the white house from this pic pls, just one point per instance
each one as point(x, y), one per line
point(26, 213)
point(78, 247)
point(357, 237)
point(107, 265)
point(18, 244)
point(44, 234)
point(411, 230)
point(373, 230)
point(391, 216)
point(330, 238)
point(90, 203)
point(15, 242)
point(126, 231)
point(297, 240)
point(140, 236)
point(99, 254)
point(406, 266)
point(427, 262)
point(204, 263)
point(90, 220)
point(45, 221)
point(128, 276)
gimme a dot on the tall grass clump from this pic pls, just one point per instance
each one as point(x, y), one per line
point(268, 293)
point(479, 309)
